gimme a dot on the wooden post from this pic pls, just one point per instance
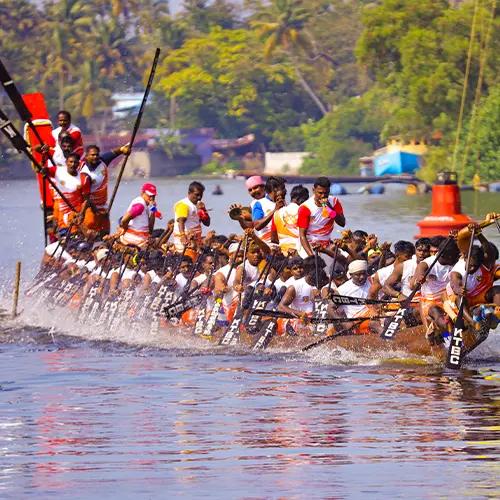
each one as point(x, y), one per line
point(16, 289)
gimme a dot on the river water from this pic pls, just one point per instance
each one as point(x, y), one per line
point(124, 415)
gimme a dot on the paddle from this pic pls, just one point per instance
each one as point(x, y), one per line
point(456, 348)
point(392, 327)
point(137, 124)
point(279, 314)
point(232, 334)
point(201, 316)
point(320, 305)
point(214, 313)
point(328, 338)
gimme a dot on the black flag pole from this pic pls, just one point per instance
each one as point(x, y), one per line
point(18, 102)
point(136, 126)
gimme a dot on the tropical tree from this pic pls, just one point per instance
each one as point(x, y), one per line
point(66, 25)
point(281, 26)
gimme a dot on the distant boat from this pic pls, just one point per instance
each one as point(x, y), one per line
point(217, 190)
point(398, 158)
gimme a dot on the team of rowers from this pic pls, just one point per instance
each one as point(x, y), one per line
point(286, 260)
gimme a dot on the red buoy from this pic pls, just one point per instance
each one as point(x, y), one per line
point(446, 213)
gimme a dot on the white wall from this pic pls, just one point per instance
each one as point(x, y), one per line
point(284, 163)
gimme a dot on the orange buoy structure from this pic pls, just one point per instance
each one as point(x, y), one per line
point(446, 213)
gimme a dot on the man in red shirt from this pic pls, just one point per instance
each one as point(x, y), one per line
point(316, 218)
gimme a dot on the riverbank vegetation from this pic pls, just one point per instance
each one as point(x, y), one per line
point(333, 77)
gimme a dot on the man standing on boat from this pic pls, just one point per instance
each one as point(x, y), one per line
point(317, 217)
point(190, 213)
point(136, 226)
point(94, 177)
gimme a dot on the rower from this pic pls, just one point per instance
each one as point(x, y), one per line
point(284, 230)
point(94, 178)
point(400, 283)
point(69, 183)
point(136, 226)
point(316, 218)
point(434, 287)
point(481, 272)
point(403, 251)
point(190, 213)
point(357, 286)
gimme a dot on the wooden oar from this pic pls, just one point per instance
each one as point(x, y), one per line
point(328, 338)
point(136, 126)
point(393, 326)
point(233, 332)
point(279, 314)
point(456, 349)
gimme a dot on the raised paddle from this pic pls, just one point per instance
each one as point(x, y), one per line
point(392, 327)
point(456, 351)
point(136, 126)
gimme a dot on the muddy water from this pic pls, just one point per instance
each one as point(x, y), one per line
point(123, 415)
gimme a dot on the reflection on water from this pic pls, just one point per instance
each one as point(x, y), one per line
point(240, 427)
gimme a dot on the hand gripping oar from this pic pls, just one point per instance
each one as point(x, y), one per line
point(456, 349)
point(136, 126)
point(393, 326)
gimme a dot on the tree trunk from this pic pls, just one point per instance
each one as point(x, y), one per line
point(306, 86)
point(61, 89)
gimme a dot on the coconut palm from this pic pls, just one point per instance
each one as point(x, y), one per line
point(281, 25)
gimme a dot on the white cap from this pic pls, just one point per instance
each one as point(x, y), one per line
point(356, 266)
point(101, 253)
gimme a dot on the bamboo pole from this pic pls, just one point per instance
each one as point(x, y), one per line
point(17, 282)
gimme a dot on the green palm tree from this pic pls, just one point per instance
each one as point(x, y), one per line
point(89, 97)
point(281, 25)
point(67, 22)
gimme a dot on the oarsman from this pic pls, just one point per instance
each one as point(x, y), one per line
point(357, 286)
point(316, 218)
point(223, 285)
point(399, 284)
point(66, 127)
point(403, 251)
point(298, 298)
point(434, 286)
point(481, 273)
point(189, 215)
point(284, 230)
point(94, 178)
point(137, 225)
point(68, 180)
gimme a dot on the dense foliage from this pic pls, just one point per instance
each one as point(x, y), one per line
point(334, 77)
